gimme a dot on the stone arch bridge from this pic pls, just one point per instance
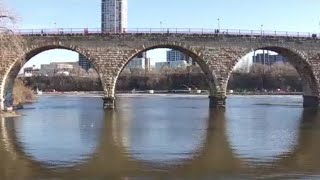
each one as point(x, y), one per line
point(216, 55)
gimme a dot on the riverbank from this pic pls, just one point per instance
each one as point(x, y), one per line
point(183, 92)
point(7, 114)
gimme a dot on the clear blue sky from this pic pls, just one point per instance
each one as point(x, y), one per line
point(286, 15)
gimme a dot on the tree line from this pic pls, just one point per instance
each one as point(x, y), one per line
point(259, 77)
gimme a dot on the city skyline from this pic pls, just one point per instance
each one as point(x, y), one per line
point(158, 14)
point(58, 14)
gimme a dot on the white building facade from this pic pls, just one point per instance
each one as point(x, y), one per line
point(139, 62)
point(114, 16)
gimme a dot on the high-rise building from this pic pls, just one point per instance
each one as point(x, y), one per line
point(174, 55)
point(177, 59)
point(114, 15)
point(84, 62)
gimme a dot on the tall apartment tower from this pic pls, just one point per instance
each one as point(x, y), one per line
point(114, 15)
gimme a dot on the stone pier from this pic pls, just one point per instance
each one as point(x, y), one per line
point(310, 101)
point(217, 102)
point(109, 102)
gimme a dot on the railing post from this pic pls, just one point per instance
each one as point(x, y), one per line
point(275, 33)
point(202, 31)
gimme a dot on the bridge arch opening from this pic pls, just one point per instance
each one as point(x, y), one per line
point(274, 70)
point(44, 68)
point(163, 69)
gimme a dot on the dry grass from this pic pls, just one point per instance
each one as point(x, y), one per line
point(22, 94)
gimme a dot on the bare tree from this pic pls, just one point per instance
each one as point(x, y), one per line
point(10, 43)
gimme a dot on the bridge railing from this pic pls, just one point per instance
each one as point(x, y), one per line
point(233, 32)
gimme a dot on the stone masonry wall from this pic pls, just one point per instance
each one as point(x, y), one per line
point(216, 55)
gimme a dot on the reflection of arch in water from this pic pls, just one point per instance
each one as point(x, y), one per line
point(261, 134)
point(160, 137)
point(98, 162)
point(215, 146)
point(110, 158)
point(305, 157)
point(215, 156)
point(14, 163)
point(33, 145)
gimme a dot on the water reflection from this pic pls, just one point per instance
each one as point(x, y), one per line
point(160, 136)
point(261, 133)
point(140, 140)
point(58, 139)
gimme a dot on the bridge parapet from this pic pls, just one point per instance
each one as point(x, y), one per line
point(201, 31)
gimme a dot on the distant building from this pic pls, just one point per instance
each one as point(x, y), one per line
point(147, 64)
point(84, 63)
point(161, 65)
point(30, 71)
point(178, 64)
point(268, 59)
point(139, 62)
point(58, 68)
point(174, 55)
point(114, 15)
point(178, 59)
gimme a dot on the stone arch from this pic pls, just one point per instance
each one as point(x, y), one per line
point(195, 54)
point(18, 61)
point(299, 61)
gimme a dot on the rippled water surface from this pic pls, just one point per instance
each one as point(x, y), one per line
point(162, 136)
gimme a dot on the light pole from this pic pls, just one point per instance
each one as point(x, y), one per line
point(115, 16)
point(261, 29)
point(218, 23)
point(161, 25)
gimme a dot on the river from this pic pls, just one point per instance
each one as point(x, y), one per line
point(161, 137)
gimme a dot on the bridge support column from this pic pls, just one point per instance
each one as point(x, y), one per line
point(218, 102)
point(108, 102)
point(310, 101)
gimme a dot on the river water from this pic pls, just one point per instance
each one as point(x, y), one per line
point(162, 137)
